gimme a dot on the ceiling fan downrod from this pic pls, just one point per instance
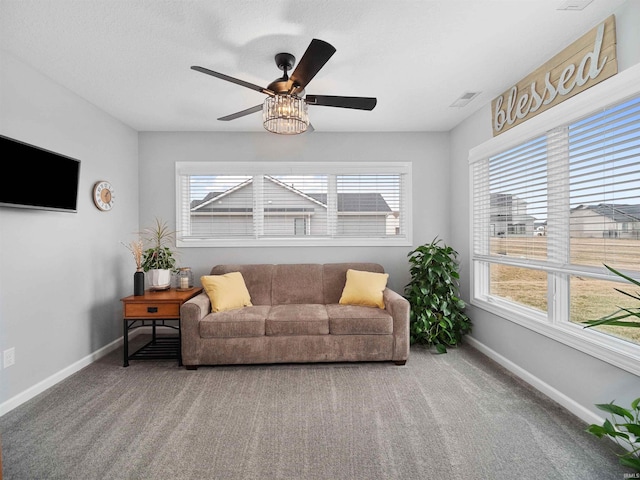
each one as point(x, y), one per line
point(285, 62)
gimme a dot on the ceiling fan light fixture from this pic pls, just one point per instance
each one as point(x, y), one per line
point(285, 110)
point(285, 114)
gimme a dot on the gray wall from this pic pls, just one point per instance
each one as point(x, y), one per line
point(62, 274)
point(575, 379)
point(428, 153)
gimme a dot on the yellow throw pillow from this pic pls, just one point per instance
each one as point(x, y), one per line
point(364, 288)
point(226, 292)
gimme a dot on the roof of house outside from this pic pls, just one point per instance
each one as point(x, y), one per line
point(347, 202)
point(210, 196)
point(357, 202)
point(616, 212)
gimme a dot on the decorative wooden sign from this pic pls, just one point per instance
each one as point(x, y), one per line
point(586, 62)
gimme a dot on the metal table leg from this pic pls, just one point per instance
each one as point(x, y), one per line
point(126, 343)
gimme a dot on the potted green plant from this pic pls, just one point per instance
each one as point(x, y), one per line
point(437, 313)
point(617, 319)
point(158, 259)
point(624, 426)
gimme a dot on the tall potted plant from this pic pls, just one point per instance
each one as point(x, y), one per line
point(437, 313)
point(158, 259)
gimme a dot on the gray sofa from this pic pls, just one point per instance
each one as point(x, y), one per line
point(295, 318)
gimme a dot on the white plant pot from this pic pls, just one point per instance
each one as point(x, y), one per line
point(159, 279)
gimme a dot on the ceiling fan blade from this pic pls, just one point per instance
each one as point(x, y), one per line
point(222, 76)
point(359, 103)
point(317, 54)
point(248, 111)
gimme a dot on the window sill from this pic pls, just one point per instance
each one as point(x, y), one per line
point(617, 352)
point(295, 242)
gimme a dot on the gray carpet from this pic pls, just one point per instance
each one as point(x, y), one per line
point(451, 416)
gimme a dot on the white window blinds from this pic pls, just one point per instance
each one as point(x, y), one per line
point(369, 205)
point(510, 202)
point(293, 203)
point(219, 206)
point(604, 163)
point(571, 196)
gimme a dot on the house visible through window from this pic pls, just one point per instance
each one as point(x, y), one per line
point(249, 204)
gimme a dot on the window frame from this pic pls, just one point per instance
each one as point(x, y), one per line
point(555, 322)
point(296, 168)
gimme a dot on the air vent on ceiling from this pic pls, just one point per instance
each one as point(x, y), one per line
point(574, 5)
point(464, 99)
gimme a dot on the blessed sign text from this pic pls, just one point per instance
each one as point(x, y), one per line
point(586, 62)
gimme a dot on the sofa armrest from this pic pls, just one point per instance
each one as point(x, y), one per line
point(191, 312)
point(196, 308)
point(398, 307)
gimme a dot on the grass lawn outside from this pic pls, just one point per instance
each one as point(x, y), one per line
point(590, 298)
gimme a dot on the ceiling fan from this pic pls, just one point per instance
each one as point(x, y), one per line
point(285, 108)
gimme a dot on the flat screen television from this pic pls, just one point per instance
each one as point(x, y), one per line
point(33, 177)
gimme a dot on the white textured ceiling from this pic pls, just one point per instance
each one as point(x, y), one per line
point(132, 58)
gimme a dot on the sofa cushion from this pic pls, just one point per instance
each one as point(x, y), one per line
point(297, 283)
point(257, 278)
point(297, 319)
point(245, 322)
point(357, 320)
point(226, 292)
point(364, 288)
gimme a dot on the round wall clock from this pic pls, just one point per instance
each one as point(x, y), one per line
point(103, 195)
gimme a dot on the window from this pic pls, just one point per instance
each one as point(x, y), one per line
point(300, 226)
point(547, 213)
point(249, 204)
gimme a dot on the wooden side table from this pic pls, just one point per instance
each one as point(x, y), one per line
point(157, 308)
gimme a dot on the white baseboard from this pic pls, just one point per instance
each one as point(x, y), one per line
point(49, 382)
point(574, 407)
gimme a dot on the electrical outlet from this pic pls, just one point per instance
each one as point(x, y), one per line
point(9, 357)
